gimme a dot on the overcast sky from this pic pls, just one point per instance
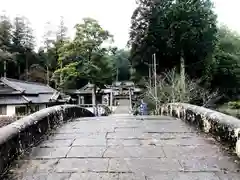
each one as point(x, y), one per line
point(113, 15)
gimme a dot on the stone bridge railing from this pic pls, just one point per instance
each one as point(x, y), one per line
point(225, 128)
point(16, 137)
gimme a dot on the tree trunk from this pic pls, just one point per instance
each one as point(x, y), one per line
point(95, 95)
point(94, 102)
point(182, 71)
point(5, 68)
point(26, 66)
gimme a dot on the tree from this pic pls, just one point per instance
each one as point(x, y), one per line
point(172, 28)
point(87, 58)
point(18, 46)
point(86, 51)
point(225, 69)
point(48, 39)
point(28, 45)
point(5, 42)
point(122, 64)
point(61, 38)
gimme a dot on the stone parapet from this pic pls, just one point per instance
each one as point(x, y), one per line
point(22, 134)
point(224, 127)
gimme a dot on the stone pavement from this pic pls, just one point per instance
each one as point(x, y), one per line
point(123, 108)
point(127, 148)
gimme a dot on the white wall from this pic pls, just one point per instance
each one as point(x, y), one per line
point(10, 110)
point(42, 106)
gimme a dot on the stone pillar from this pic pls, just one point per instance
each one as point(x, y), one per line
point(111, 99)
point(79, 99)
point(93, 101)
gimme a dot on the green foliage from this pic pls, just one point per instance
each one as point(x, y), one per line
point(122, 64)
point(169, 90)
point(234, 105)
point(225, 69)
point(169, 28)
point(84, 57)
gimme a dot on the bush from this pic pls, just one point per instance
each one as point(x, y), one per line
point(169, 90)
point(234, 105)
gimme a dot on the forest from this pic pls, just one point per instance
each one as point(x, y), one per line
point(179, 32)
point(61, 62)
point(186, 37)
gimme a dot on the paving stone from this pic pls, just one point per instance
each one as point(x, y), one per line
point(84, 152)
point(182, 141)
point(82, 165)
point(136, 152)
point(46, 176)
point(119, 165)
point(57, 143)
point(123, 142)
point(124, 135)
point(49, 153)
point(208, 164)
point(141, 148)
point(183, 176)
point(167, 135)
point(130, 129)
point(94, 176)
point(101, 141)
point(96, 127)
point(131, 176)
point(63, 136)
point(196, 176)
point(151, 166)
point(191, 151)
point(129, 124)
point(29, 167)
point(169, 128)
point(228, 175)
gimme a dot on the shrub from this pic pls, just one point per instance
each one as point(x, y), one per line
point(234, 105)
point(169, 90)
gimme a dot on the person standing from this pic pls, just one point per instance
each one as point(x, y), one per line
point(143, 108)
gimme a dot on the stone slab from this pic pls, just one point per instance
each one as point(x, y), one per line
point(191, 151)
point(184, 176)
point(46, 176)
point(94, 176)
point(82, 165)
point(64, 136)
point(86, 152)
point(170, 150)
point(124, 142)
point(49, 153)
point(134, 152)
point(98, 141)
point(124, 135)
point(57, 143)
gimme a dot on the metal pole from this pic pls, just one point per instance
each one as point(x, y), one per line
point(155, 77)
point(182, 72)
point(61, 75)
point(130, 98)
point(111, 99)
point(47, 76)
point(5, 69)
point(149, 74)
point(117, 76)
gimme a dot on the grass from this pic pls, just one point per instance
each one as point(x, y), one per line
point(226, 110)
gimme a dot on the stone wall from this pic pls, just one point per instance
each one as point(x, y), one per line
point(16, 137)
point(224, 127)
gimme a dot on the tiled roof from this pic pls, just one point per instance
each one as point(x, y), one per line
point(14, 91)
point(27, 87)
point(12, 100)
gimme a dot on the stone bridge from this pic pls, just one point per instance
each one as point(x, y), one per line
point(124, 147)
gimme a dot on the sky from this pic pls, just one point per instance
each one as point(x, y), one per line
point(113, 15)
